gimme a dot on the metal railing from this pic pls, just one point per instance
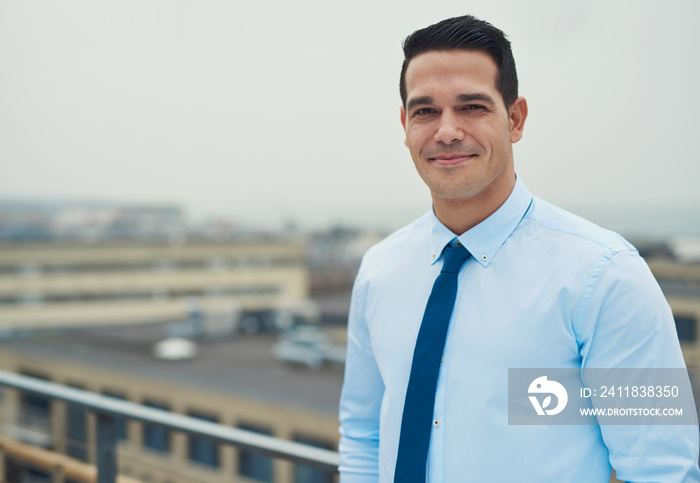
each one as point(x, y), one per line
point(108, 409)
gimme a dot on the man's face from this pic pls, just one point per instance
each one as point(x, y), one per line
point(457, 127)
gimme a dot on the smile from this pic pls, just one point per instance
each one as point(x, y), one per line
point(451, 159)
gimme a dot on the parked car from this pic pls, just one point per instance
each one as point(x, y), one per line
point(175, 349)
point(308, 346)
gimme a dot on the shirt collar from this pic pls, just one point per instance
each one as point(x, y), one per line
point(485, 239)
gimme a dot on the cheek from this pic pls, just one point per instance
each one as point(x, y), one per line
point(417, 139)
point(412, 143)
point(496, 139)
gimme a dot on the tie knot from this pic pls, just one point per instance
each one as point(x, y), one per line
point(454, 258)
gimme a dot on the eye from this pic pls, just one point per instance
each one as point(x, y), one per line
point(423, 111)
point(474, 107)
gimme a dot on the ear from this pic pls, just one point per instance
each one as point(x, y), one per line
point(517, 114)
point(403, 123)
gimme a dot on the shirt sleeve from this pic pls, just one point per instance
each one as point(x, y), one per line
point(627, 323)
point(361, 398)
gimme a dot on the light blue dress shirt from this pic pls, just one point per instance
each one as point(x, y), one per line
point(543, 289)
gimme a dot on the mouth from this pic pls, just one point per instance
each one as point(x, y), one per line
point(451, 159)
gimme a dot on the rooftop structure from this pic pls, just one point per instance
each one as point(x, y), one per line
point(55, 286)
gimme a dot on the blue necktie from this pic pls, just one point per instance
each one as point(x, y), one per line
point(420, 395)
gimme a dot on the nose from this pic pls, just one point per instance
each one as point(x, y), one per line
point(449, 130)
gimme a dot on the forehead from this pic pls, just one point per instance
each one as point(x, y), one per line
point(462, 70)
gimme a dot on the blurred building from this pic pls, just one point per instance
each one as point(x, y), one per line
point(31, 221)
point(127, 299)
point(212, 286)
point(680, 283)
point(333, 258)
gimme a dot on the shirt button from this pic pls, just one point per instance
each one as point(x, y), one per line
point(442, 359)
point(436, 422)
point(434, 256)
point(458, 244)
point(484, 257)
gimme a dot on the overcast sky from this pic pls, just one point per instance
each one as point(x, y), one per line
point(273, 110)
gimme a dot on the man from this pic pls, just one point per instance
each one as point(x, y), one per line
point(536, 288)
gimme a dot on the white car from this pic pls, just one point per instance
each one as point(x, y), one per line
point(175, 349)
point(308, 346)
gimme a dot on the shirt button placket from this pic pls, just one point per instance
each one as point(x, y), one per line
point(437, 456)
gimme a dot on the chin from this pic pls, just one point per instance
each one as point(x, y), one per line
point(455, 194)
point(457, 189)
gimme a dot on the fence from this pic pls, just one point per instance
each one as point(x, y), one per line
point(108, 410)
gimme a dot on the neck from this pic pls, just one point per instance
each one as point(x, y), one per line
point(461, 214)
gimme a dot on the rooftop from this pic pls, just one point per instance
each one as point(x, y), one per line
point(243, 366)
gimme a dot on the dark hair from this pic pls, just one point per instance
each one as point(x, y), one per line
point(465, 33)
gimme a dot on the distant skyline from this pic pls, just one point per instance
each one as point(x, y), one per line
point(273, 111)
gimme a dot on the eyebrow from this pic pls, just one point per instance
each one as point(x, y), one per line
point(423, 100)
point(418, 101)
point(479, 96)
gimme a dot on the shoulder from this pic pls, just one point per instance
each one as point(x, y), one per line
point(555, 226)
